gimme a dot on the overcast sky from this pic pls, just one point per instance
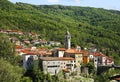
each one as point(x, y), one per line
point(106, 4)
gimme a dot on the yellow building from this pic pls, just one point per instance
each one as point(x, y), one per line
point(81, 56)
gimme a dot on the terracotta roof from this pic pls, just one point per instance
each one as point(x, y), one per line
point(48, 53)
point(70, 51)
point(61, 49)
point(85, 52)
point(99, 54)
point(118, 79)
point(42, 49)
point(31, 53)
point(56, 58)
point(75, 51)
point(18, 47)
point(25, 50)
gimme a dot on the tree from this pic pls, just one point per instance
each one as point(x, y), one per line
point(6, 5)
point(26, 79)
point(105, 76)
point(6, 47)
point(9, 73)
point(7, 50)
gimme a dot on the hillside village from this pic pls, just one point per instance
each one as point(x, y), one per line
point(55, 59)
point(59, 43)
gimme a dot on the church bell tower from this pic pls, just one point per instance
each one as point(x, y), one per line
point(67, 40)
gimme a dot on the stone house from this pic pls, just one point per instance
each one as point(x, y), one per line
point(28, 59)
point(53, 65)
point(101, 59)
point(61, 52)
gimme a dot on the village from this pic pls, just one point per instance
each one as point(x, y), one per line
point(53, 60)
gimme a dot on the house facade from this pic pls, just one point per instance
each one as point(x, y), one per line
point(53, 65)
point(28, 60)
point(61, 52)
point(101, 59)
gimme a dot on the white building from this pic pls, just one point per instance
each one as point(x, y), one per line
point(28, 60)
point(53, 65)
point(61, 52)
point(101, 59)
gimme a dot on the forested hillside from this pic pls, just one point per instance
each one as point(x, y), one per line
point(88, 26)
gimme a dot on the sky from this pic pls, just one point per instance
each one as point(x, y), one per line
point(106, 4)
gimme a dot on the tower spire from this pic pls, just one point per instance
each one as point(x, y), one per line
point(67, 40)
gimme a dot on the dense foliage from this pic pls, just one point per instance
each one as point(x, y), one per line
point(10, 70)
point(105, 76)
point(88, 26)
point(10, 65)
point(5, 43)
point(9, 73)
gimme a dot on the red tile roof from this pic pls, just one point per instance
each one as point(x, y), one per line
point(48, 53)
point(99, 54)
point(42, 49)
point(118, 79)
point(61, 49)
point(75, 51)
point(70, 51)
point(18, 47)
point(25, 50)
point(85, 53)
point(56, 58)
point(31, 53)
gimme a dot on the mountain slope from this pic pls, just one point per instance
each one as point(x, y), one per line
point(97, 17)
point(88, 26)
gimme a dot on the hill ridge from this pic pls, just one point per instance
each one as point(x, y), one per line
point(88, 26)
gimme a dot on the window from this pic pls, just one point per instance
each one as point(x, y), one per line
point(53, 66)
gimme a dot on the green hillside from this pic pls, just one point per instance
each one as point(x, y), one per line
point(88, 26)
